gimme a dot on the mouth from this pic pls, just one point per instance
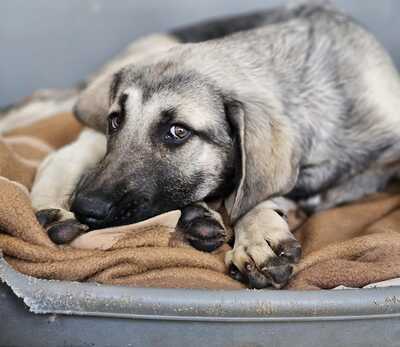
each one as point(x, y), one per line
point(92, 223)
point(98, 210)
point(116, 217)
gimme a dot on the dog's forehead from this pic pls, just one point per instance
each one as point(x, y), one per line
point(134, 100)
point(190, 107)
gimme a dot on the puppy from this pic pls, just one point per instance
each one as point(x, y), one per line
point(303, 106)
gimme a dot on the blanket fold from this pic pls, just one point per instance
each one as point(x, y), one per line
point(151, 255)
point(352, 245)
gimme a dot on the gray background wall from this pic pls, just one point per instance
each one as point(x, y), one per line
point(55, 43)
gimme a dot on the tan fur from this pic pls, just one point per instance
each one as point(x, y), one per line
point(58, 175)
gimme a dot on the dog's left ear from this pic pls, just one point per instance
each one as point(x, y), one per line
point(94, 101)
point(268, 160)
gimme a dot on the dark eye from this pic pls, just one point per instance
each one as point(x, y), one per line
point(114, 122)
point(177, 134)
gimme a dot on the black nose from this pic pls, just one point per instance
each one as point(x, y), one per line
point(93, 210)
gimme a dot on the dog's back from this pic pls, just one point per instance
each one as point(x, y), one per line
point(222, 27)
point(337, 84)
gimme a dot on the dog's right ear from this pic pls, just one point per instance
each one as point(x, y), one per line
point(94, 102)
point(267, 164)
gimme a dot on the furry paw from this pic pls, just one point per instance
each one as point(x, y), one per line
point(61, 225)
point(264, 254)
point(202, 228)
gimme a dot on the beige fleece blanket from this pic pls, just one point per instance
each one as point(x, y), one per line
point(352, 245)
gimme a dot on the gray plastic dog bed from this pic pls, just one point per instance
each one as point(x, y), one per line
point(53, 313)
point(76, 314)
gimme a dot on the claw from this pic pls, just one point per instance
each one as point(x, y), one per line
point(235, 274)
point(256, 279)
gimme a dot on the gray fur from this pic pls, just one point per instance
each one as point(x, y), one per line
point(305, 106)
point(308, 75)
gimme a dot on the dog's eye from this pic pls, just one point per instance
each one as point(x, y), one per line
point(177, 134)
point(114, 122)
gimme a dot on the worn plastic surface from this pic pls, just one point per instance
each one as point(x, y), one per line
point(75, 314)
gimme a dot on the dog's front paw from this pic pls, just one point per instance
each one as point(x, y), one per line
point(202, 228)
point(264, 254)
point(60, 224)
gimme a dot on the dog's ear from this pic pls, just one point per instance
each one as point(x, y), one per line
point(268, 164)
point(94, 102)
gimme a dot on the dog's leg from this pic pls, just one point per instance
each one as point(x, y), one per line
point(203, 227)
point(369, 182)
point(56, 180)
point(265, 249)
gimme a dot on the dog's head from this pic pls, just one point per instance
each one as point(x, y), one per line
point(174, 138)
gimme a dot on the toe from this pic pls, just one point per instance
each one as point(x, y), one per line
point(206, 229)
point(279, 275)
point(243, 266)
point(66, 231)
point(235, 274)
point(206, 245)
point(278, 270)
point(290, 250)
point(190, 213)
point(48, 216)
point(205, 234)
point(255, 278)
